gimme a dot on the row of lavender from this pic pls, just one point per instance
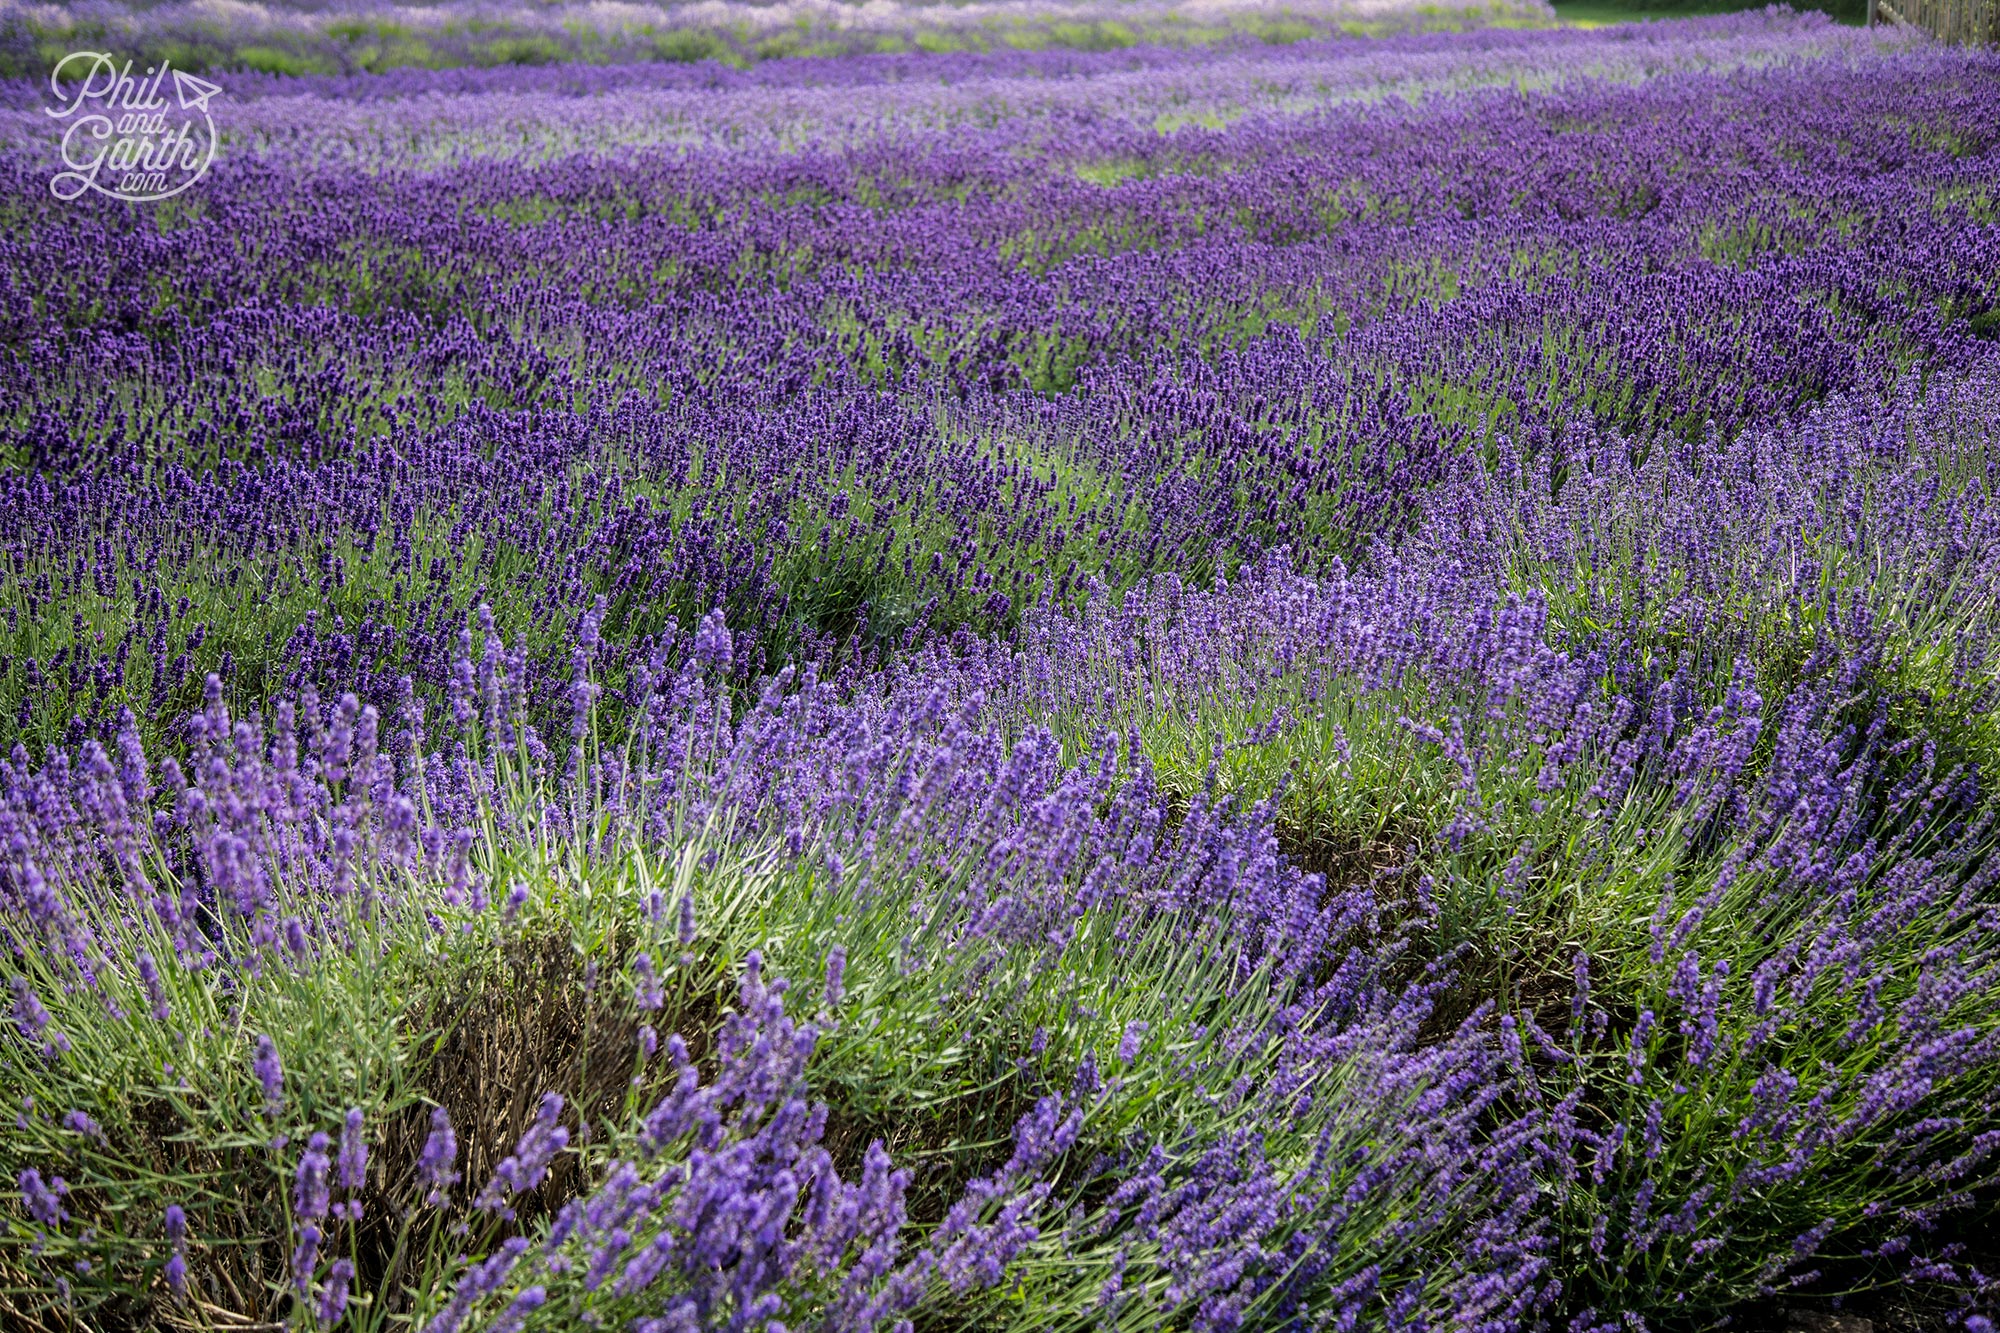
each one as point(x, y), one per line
point(793, 386)
point(1795, 950)
point(352, 37)
point(1364, 713)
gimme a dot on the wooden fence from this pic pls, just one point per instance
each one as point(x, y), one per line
point(1966, 22)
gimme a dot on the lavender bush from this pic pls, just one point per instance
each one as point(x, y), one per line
point(1220, 684)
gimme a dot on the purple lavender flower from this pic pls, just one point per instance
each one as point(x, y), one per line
point(836, 971)
point(305, 1257)
point(1043, 1135)
point(353, 1152)
point(311, 1182)
point(156, 994)
point(333, 1295)
point(176, 1267)
point(34, 1022)
point(479, 1280)
point(44, 1201)
point(713, 645)
point(270, 1075)
point(524, 1169)
point(650, 995)
point(437, 1164)
point(518, 1310)
point(1130, 1042)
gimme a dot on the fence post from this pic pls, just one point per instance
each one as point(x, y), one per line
point(1871, 14)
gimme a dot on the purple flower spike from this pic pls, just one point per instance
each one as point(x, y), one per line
point(43, 1200)
point(333, 1296)
point(836, 972)
point(713, 645)
point(305, 1258)
point(530, 1161)
point(34, 1022)
point(270, 1074)
point(176, 1269)
point(353, 1152)
point(650, 995)
point(312, 1188)
point(156, 994)
point(1130, 1043)
point(436, 1165)
point(519, 1309)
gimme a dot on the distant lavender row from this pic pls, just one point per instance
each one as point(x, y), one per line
point(356, 36)
point(454, 115)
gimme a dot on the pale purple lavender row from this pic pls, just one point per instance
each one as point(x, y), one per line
point(413, 118)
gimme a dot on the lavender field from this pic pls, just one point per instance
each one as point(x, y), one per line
point(1083, 668)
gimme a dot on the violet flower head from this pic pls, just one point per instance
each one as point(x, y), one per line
point(333, 1296)
point(519, 1309)
point(312, 1181)
point(353, 1152)
point(156, 993)
point(176, 1268)
point(43, 1200)
point(836, 973)
point(649, 993)
point(712, 643)
point(270, 1074)
point(479, 1281)
point(1042, 1135)
point(530, 1160)
point(1130, 1043)
point(438, 1162)
point(34, 1021)
point(305, 1257)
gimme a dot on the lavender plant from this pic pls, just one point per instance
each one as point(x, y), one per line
point(1219, 684)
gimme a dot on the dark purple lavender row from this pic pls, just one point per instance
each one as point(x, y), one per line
point(1701, 251)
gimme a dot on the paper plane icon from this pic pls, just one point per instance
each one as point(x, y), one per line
point(194, 93)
